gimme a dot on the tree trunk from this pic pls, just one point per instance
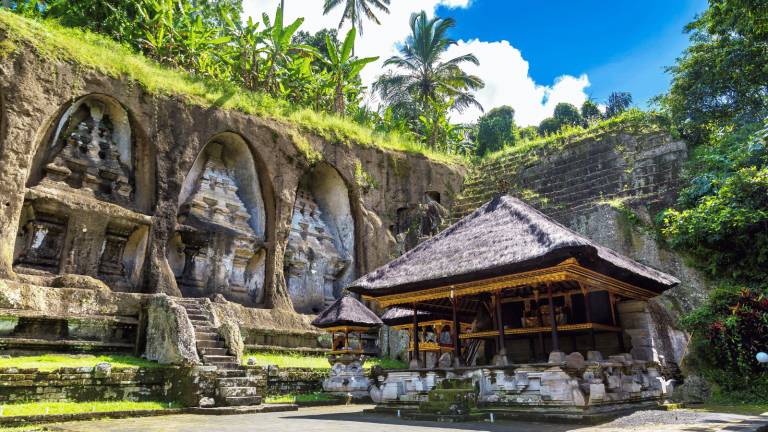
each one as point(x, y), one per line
point(338, 99)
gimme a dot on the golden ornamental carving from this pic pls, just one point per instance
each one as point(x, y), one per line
point(567, 271)
point(569, 327)
point(568, 303)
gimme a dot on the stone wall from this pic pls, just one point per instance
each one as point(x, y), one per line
point(295, 381)
point(106, 187)
point(607, 187)
point(84, 384)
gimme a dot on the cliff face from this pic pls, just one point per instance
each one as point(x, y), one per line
point(151, 194)
point(608, 188)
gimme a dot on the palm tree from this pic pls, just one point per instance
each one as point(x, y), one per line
point(426, 80)
point(617, 103)
point(342, 66)
point(354, 11)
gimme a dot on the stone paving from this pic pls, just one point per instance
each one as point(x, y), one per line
point(351, 418)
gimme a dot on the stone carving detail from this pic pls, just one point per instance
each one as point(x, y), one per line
point(347, 376)
point(43, 239)
point(216, 232)
point(312, 261)
point(90, 160)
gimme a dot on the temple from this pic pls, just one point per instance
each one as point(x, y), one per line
point(533, 290)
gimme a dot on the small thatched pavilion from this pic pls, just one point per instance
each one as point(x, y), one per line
point(526, 270)
point(346, 315)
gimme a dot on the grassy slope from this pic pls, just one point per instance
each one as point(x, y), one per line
point(633, 121)
point(37, 408)
point(53, 42)
point(313, 361)
point(51, 362)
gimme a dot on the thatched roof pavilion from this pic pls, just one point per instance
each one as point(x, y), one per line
point(346, 315)
point(504, 252)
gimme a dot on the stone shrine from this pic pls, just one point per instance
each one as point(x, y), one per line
point(312, 262)
point(214, 223)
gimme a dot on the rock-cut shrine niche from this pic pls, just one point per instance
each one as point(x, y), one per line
point(87, 197)
point(219, 244)
point(319, 257)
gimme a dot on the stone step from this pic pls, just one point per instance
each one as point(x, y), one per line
point(209, 344)
point(238, 391)
point(234, 382)
point(212, 351)
point(206, 336)
point(200, 323)
point(219, 359)
point(226, 367)
point(243, 400)
point(197, 317)
point(204, 329)
point(188, 302)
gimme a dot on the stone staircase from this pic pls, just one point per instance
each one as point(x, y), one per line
point(569, 180)
point(233, 385)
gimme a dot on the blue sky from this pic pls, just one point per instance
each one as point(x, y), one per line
point(620, 45)
point(533, 54)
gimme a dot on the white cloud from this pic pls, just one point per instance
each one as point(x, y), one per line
point(502, 67)
point(507, 82)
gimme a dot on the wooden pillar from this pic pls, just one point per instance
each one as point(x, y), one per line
point(410, 354)
point(346, 340)
point(589, 317)
point(455, 330)
point(500, 323)
point(415, 332)
point(615, 313)
point(552, 319)
point(359, 340)
point(541, 321)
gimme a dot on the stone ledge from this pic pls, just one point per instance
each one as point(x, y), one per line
point(25, 313)
point(11, 421)
point(264, 408)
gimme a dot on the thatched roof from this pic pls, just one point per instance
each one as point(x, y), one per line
point(346, 311)
point(503, 237)
point(400, 316)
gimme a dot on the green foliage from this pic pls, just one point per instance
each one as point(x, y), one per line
point(549, 126)
point(342, 66)
point(590, 112)
point(567, 114)
point(617, 103)
point(721, 80)
point(496, 130)
point(38, 408)
point(422, 84)
point(50, 362)
point(54, 42)
point(355, 10)
point(723, 215)
point(528, 133)
point(732, 328)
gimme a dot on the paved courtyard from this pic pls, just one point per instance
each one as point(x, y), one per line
point(351, 418)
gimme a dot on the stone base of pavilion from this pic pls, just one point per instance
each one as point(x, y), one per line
point(570, 389)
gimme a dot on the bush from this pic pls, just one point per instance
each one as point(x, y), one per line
point(732, 328)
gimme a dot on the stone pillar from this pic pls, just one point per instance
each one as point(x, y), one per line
point(634, 319)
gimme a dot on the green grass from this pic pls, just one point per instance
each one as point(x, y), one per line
point(299, 398)
point(36, 408)
point(54, 42)
point(284, 359)
point(51, 362)
point(750, 410)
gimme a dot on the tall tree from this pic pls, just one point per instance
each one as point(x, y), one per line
point(421, 76)
point(354, 10)
point(721, 80)
point(617, 103)
point(342, 66)
point(567, 114)
point(496, 130)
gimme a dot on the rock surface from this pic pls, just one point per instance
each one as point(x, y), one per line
point(170, 335)
point(230, 332)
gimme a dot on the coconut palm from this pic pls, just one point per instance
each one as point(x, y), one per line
point(421, 79)
point(354, 10)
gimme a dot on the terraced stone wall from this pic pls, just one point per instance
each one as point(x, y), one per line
point(609, 188)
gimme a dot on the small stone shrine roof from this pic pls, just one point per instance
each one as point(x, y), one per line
point(346, 311)
point(503, 237)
